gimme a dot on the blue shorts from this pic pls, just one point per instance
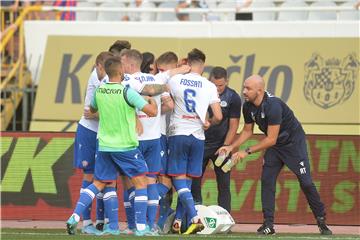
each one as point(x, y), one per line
point(163, 154)
point(109, 164)
point(85, 149)
point(151, 149)
point(185, 156)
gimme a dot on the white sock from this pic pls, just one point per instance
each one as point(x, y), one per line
point(140, 227)
point(87, 222)
point(76, 217)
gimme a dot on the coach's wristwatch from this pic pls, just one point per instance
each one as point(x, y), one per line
point(248, 150)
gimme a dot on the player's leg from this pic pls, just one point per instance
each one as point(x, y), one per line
point(270, 171)
point(151, 152)
point(196, 183)
point(193, 170)
point(129, 195)
point(296, 159)
point(177, 166)
point(104, 171)
point(84, 158)
point(164, 185)
point(133, 165)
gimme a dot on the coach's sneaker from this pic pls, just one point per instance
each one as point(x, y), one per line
point(90, 229)
point(323, 228)
point(266, 229)
point(145, 232)
point(194, 228)
point(71, 225)
point(176, 227)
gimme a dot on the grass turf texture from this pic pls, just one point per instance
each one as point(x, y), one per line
point(58, 234)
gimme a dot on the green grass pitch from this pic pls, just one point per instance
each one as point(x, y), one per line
point(58, 234)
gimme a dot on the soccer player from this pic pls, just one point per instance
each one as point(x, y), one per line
point(165, 62)
point(86, 143)
point(192, 94)
point(284, 144)
point(150, 138)
point(117, 150)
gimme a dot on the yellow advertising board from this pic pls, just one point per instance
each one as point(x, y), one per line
point(317, 77)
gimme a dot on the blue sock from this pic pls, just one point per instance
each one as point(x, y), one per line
point(162, 189)
point(140, 208)
point(85, 199)
point(180, 211)
point(111, 205)
point(129, 196)
point(87, 211)
point(100, 214)
point(181, 186)
point(153, 203)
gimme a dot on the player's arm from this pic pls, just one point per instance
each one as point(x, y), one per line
point(154, 89)
point(217, 113)
point(145, 104)
point(151, 107)
point(138, 127)
point(93, 104)
point(167, 103)
point(179, 70)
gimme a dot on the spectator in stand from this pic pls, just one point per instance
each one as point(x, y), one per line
point(188, 4)
point(242, 4)
point(66, 15)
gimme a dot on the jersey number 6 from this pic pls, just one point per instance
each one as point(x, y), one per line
point(189, 103)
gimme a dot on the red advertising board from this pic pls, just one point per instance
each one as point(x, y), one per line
point(38, 181)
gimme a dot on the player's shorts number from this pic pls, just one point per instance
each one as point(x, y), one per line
point(189, 103)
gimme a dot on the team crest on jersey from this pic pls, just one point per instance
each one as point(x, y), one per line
point(223, 104)
point(253, 116)
point(329, 82)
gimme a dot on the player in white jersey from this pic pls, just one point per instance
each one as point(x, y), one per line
point(165, 62)
point(86, 143)
point(192, 94)
point(149, 140)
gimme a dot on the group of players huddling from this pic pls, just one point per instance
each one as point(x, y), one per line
point(123, 132)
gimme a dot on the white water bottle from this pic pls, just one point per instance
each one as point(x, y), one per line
point(220, 159)
point(228, 165)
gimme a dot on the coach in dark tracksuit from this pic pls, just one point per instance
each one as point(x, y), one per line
point(285, 144)
point(219, 135)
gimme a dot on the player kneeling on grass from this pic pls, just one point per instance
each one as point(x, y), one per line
point(117, 150)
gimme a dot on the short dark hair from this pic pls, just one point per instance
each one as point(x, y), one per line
point(148, 59)
point(133, 54)
point(119, 45)
point(218, 73)
point(102, 57)
point(111, 65)
point(196, 55)
point(167, 58)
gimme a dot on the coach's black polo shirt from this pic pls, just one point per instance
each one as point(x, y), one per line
point(230, 103)
point(272, 111)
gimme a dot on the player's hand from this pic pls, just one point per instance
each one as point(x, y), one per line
point(206, 125)
point(139, 127)
point(184, 69)
point(88, 114)
point(225, 149)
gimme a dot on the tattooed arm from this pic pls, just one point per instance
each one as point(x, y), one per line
point(154, 89)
